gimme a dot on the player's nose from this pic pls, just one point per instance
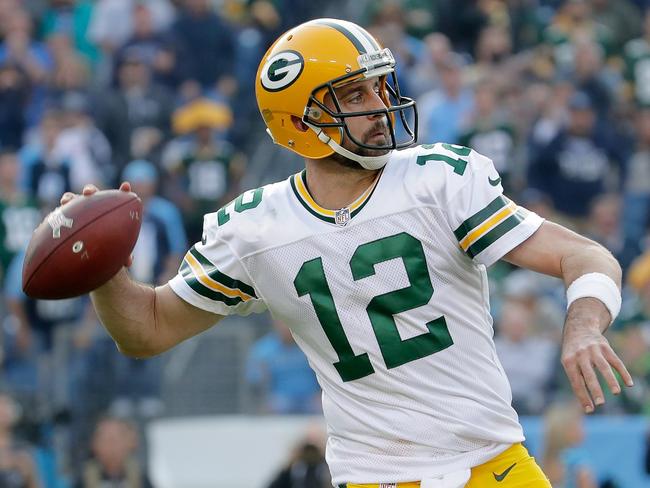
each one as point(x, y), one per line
point(376, 103)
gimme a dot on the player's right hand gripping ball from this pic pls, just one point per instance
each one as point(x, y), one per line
point(82, 244)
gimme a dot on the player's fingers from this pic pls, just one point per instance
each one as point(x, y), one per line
point(66, 197)
point(618, 365)
point(89, 190)
point(125, 186)
point(578, 384)
point(607, 373)
point(591, 380)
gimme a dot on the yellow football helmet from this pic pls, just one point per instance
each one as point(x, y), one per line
point(310, 61)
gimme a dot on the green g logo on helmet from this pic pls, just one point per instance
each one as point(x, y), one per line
point(281, 70)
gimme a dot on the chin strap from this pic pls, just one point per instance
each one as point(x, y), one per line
point(368, 162)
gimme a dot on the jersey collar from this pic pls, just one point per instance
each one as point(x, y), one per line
point(338, 217)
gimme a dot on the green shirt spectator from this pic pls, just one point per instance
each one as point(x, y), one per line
point(19, 214)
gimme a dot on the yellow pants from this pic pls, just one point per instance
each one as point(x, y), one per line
point(513, 468)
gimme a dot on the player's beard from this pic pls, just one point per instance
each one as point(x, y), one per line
point(379, 125)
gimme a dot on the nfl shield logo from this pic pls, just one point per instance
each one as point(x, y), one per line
point(342, 216)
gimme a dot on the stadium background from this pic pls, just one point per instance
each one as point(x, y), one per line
point(161, 92)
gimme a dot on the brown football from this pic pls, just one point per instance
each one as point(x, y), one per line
point(81, 245)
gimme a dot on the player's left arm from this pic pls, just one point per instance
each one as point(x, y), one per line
point(559, 252)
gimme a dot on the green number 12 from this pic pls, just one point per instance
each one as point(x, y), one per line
point(311, 280)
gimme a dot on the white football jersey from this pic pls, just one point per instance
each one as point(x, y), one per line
point(388, 299)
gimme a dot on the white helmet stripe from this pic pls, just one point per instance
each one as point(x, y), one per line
point(354, 34)
point(357, 32)
point(370, 44)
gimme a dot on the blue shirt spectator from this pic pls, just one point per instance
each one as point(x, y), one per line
point(43, 316)
point(443, 112)
point(162, 240)
point(279, 370)
point(207, 41)
point(576, 166)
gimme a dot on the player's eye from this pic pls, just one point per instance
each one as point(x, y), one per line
point(355, 98)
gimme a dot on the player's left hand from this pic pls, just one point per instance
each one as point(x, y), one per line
point(585, 350)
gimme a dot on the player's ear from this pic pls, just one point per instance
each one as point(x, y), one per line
point(299, 124)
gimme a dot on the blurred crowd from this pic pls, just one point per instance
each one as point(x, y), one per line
point(161, 93)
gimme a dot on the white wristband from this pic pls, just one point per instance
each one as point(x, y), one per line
point(596, 285)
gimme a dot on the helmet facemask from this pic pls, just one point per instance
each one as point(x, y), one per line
point(380, 64)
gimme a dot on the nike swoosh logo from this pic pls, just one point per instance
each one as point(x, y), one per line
point(500, 477)
point(494, 182)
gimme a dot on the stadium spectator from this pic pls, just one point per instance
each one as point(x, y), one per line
point(58, 158)
point(18, 468)
point(418, 18)
point(621, 17)
point(462, 23)
point(636, 55)
point(589, 75)
point(204, 170)
point(527, 358)
point(14, 95)
point(552, 115)
point(541, 296)
point(635, 215)
point(19, 214)
point(70, 72)
point(444, 111)
point(137, 103)
point(632, 340)
point(278, 372)
point(38, 325)
point(526, 23)
point(574, 20)
point(81, 142)
point(260, 27)
point(564, 462)
point(388, 24)
point(577, 165)
point(114, 457)
point(307, 467)
point(633, 335)
point(155, 46)
point(493, 50)
point(207, 43)
point(162, 241)
point(113, 22)
point(603, 224)
point(71, 18)
point(426, 74)
point(19, 48)
point(31, 57)
point(489, 132)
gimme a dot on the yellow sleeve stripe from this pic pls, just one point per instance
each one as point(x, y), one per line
point(488, 225)
point(210, 283)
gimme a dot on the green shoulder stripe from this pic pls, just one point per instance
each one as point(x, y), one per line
point(203, 290)
point(497, 232)
point(479, 217)
point(220, 277)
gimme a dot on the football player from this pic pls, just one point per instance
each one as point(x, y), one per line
point(375, 256)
